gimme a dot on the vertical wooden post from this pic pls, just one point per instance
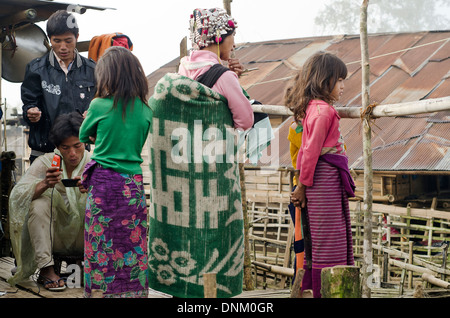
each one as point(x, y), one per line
point(444, 259)
point(183, 50)
point(248, 282)
point(210, 285)
point(227, 5)
point(402, 282)
point(340, 282)
point(367, 150)
point(296, 291)
point(183, 47)
point(411, 255)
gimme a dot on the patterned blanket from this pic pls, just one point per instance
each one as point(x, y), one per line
point(195, 213)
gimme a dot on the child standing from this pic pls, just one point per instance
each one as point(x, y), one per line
point(119, 121)
point(324, 183)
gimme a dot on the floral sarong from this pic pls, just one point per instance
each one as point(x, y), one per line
point(115, 257)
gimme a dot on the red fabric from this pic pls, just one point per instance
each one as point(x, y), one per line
point(99, 44)
point(121, 41)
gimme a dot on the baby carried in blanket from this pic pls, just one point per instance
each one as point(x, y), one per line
point(195, 212)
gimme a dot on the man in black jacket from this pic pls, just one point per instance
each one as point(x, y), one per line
point(62, 81)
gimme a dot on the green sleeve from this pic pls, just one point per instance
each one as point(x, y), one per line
point(89, 126)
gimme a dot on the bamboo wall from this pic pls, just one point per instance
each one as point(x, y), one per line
point(396, 231)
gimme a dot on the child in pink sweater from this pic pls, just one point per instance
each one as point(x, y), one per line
point(324, 179)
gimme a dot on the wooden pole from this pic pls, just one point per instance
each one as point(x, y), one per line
point(411, 261)
point(227, 5)
point(435, 281)
point(399, 109)
point(296, 291)
point(367, 151)
point(183, 51)
point(210, 285)
point(379, 111)
point(248, 281)
point(275, 269)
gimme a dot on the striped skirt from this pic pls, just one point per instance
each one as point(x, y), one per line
point(328, 216)
point(115, 251)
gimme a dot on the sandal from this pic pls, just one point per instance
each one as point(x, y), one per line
point(45, 281)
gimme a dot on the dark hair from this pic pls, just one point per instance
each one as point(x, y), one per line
point(223, 36)
point(119, 74)
point(61, 22)
point(315, 80)
point(65, 126)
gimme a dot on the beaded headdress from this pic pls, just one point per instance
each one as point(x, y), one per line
point(208, 26)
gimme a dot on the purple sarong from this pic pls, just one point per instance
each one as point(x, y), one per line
point(115, 251)
point(328, 217)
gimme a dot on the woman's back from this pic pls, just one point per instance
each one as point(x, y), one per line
point(119, 141)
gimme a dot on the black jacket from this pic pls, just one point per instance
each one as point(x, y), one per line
point(47, 87)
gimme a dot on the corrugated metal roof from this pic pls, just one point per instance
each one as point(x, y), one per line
point(404, 67)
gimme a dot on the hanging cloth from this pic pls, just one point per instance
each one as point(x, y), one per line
point(99, 44)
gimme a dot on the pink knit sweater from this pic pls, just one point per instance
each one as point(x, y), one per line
point(227, 85)
point(321, 135)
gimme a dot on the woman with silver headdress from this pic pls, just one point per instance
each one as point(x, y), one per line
point(212, 34)
point(195, 218)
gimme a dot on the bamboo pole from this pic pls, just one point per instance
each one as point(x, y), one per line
point(275, 269)
point(227, 6)
point(248, 282)
point(400, 109)
point(414, 268)
point(435, 281)
point(389, 110)
point(367, 151)
point(429, 266)
point(411, 260)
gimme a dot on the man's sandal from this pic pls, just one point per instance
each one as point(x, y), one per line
point(45, 281)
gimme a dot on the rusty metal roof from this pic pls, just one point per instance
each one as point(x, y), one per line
point(404, 67)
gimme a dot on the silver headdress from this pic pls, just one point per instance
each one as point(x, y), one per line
point(208, 26)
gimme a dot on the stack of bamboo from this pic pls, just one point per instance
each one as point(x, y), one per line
point(410, 247)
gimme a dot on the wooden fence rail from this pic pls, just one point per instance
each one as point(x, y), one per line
point(390, 110)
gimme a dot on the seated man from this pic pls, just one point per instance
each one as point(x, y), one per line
point(40, 199)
